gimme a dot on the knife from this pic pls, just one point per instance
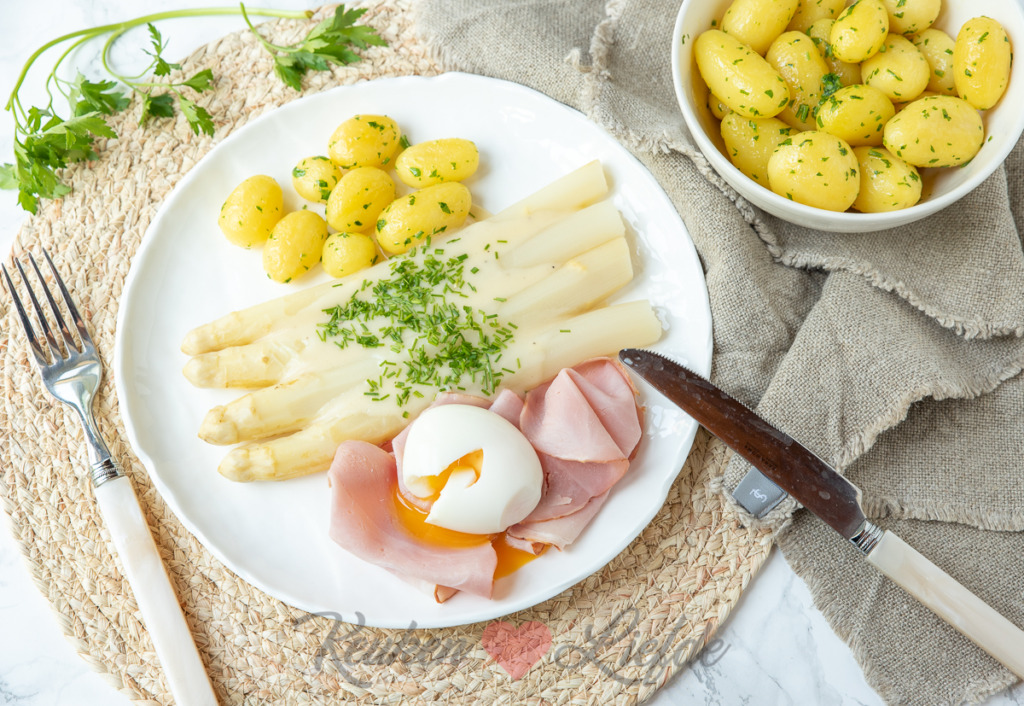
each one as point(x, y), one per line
point(834, 499)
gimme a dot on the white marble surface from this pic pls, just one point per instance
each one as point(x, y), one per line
point(776, 648)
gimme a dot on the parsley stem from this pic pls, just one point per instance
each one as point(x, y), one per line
point(121, 27)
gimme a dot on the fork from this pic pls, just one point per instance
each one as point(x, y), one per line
point(72, 372)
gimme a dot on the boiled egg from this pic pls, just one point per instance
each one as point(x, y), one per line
point(481, 472)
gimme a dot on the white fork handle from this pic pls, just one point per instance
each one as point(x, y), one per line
point(929, 584)
point(153, 592)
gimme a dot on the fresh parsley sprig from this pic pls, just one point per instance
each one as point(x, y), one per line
point(45, 141)
point(330, 42)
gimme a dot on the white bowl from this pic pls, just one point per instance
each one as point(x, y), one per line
point(1003, 123)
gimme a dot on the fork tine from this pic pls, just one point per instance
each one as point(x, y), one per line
point(70, 303)
point(69, 340)
point(40, 315)
point(34, 343)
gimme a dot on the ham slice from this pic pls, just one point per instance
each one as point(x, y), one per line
point(363, 480)
point(561, 531)
point(586, 425)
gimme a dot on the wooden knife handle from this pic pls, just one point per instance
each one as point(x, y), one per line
point(940, 592)
point(160, 610)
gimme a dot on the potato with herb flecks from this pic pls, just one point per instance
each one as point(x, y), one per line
point(740, 77)
point(857, 114)
point(937, 131)
point(981, 62)
point(429, 163)
point(347, 253)
point(757, 22)
point(887, 183)
point(801, 65)
point(294, 246)
point(820, 32)
point(411, 219)
point(314, 178)
point(358, 199)
point(816, 169)
point(364, 141)
point(937, 49)
point(750, 142)
point(811, 11)
point(251, 210)
point(911, 16)
point(899, 70)
point(860, 31)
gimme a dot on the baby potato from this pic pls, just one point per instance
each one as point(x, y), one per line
point(314, 177)
point(364, 141)
point(856, 114)
point(750, 142)
point(937, 49)
point(899, 70)
point(757, 23)
point(294, 246)
point(798, 61)
point(816, 169)
point(860, 31)
point(811, 11)
point(819, 32)
point(429, 163)
point(887, 183)
point(347, 253)
point(981, 62)
point(911, 16)
point(251, 210)
point(937, 131)
point(410, 219)
point(740, 78)
point(357, 200)
point(717, 107)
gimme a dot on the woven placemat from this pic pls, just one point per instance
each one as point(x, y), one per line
point(614, 638)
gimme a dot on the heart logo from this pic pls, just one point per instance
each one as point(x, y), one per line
point(516, 649)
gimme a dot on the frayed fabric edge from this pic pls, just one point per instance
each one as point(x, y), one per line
point(968, 328)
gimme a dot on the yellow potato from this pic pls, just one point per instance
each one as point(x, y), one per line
point(750, 142)
point(757, 23)
point(899, 70)
point(251, 210)
point(857, 114)
point(815, 169)
point(911, 16)
point(811, 11)
point(819, 32)
point(741, 79)
point(364, 141)
point(294, 246)
point(409, 220)
point(347, 253)
point(429, 163)
point(798, 61)
point(314, 177)
point(887, 183)
point(981, 62)
point(717, 107)
point(937, 131)
point(860, 31)
point(937, 48)
point(357, 200)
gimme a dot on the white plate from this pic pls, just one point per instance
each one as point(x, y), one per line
point(274, 535)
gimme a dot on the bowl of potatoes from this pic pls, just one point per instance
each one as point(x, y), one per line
point(851, 117)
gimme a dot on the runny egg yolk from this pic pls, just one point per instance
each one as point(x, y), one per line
point(414, 521)
point(472, 461)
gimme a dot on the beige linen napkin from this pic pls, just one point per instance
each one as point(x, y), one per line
point(894, 355)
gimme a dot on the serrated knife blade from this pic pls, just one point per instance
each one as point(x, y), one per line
point(827, 494)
